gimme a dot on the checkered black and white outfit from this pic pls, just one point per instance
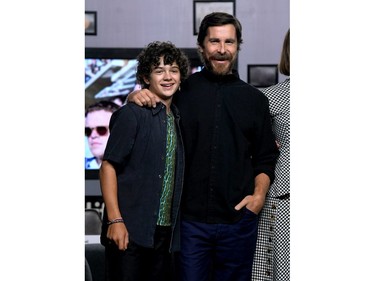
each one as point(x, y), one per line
point(271, 260)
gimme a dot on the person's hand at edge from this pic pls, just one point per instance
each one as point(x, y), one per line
point(256, 201)
point(143, 97)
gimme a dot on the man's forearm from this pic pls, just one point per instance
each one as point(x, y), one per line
point(262, 185)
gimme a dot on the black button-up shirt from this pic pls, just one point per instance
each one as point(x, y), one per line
point(137, 148)
point(228, 141)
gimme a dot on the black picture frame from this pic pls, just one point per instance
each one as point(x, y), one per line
point(203, 7)
point(90, 23)
point(262, 75)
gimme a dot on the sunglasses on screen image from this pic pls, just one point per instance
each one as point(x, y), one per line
point(101, 130)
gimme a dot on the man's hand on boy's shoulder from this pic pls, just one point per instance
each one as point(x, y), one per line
point(143, 97)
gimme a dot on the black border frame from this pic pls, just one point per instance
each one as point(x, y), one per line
point(94, 15)
point(275, 78)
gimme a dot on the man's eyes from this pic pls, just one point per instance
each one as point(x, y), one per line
point(226, 42)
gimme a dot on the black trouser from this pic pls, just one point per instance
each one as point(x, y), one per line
point(139, 263)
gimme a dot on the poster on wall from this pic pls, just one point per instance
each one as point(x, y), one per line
point(203, 8)
point(90, 23)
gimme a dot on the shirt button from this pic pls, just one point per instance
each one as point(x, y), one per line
point(159, 176)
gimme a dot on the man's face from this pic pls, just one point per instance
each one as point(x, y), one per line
point(98, 122)
point(220, 49)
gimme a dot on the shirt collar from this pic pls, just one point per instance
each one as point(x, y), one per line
point(160, 106)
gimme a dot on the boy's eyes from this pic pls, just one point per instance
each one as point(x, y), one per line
point(160, 71)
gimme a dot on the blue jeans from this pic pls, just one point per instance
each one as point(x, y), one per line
point(219, 252)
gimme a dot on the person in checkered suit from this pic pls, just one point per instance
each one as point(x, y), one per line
point(271, 260)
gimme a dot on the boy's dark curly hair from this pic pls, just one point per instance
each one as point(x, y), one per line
point(150, 56)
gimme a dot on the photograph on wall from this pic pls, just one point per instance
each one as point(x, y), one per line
point(262, 75)
point(90, 23)
point(203, 8)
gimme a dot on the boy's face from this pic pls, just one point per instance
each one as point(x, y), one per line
point(164, 80)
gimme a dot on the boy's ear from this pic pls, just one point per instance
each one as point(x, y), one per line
point(146, 80)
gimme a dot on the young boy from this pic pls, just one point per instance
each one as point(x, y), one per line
point(142, 172)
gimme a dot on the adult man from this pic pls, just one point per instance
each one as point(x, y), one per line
point(230, 158)
point(97, 118)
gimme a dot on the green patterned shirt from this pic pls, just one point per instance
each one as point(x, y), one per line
point(168, 181)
